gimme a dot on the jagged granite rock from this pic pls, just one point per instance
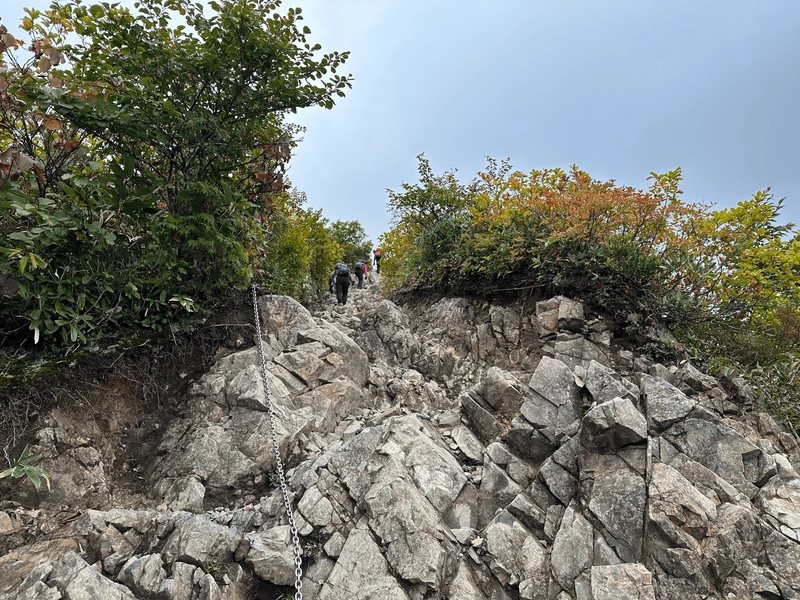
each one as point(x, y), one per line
point(555, 404)
point(143, 575)
point(386, 335)
point(665, 404)
point(419, 466)
point(622, 582)
point(613, 488)
point(612, 425)
point(82, 479)
point(77, 579)
point(604, 384)
point(361, 572)
point(281, 320)
point(573, 548)
point(270, 555)
point(503, 392)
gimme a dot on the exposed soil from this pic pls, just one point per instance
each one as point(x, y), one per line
point(124, 400)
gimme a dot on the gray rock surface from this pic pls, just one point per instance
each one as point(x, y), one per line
point(419, 466)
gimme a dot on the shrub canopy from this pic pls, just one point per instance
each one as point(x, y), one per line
point(142, 157)
point(645, 255)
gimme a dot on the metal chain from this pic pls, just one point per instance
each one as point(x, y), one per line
point(298, 550)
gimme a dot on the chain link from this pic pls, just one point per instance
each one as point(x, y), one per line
point(298, 549)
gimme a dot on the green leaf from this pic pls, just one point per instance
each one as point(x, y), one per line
point(35, 479)
point(23, 467)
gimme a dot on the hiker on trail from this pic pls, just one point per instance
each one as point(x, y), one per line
point(361, 272)
point(377, 254)
point(340, 282)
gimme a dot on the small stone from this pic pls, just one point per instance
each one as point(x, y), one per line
point(6, 524)
point(464, 535)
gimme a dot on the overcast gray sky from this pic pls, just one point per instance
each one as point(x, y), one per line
point(620, 88)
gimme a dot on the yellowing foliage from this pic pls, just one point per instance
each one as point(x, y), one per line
point(754, 261)
point(627, 249)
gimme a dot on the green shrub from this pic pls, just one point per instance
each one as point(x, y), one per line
point(133, 204)
point(24, 467)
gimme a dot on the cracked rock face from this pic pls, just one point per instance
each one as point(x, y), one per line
point(455, 450)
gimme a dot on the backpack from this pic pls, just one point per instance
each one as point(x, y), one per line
point(360, 266)
point(342, 269)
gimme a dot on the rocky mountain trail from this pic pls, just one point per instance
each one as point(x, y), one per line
point(453, 448)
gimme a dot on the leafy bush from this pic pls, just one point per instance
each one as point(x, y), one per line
point(130, 193)
point(776, 383)
point(549, 229)
point(749, 265)
point(62, 261)
point(352, 240)
point(298, 251)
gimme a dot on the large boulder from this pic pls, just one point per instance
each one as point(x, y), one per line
point(386, 335)
point(281, 320)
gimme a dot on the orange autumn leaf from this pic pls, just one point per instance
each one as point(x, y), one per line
point(51, 123)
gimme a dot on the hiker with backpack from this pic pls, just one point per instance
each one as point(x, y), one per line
point(377, 254)
point(340, 282)
point(361, 272)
